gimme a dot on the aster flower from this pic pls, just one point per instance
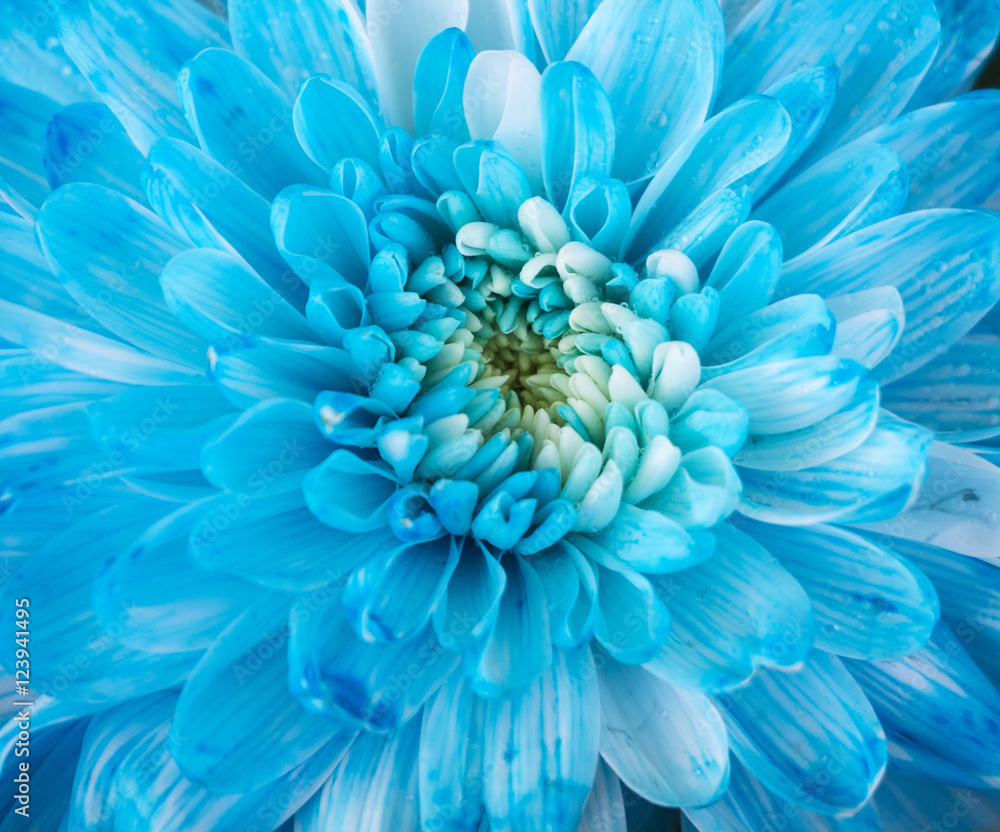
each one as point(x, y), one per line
point(464, 414)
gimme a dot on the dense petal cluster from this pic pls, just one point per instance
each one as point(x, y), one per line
point(457, 415)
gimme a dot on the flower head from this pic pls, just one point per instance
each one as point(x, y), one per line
point(447, 414)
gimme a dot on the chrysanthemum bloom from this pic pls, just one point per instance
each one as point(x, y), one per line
point(480, 414)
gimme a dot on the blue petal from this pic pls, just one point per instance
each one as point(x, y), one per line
point(236, 699)
point(951, 151)
point(321, 235)
point(248, 368)
point(109, 251)
point(734, 143)
point(152, 594)
point(869, 324)
point(531, 781)
point(889, 459)
point(954, 395)
point(417, 572)
point(277, 542)
point(810, 736)
point(518, 649)
point(957, 508)
point(868, 603)
point(111, 736)
point(398, 34)
point(748, 805)
point(604, 810)
point(495, 181)
point(501, 24)
point(349, 493)
point(940, 713)
point(632, 622)
point(58, 578)
point(667, 744)
point(737, 611)
point(451, 759)
point(291, 41)
point(945, 264)
point(905, 804)
point(333, 122)
point(439, 86)
point(218, 296)
point(880, 68)
point(578, 130)
point(471, 603)
point(848, 190)
point(85, 143)
point(625, 44)
point(199, 197)
point(152, 792)
point(558, 24)
point(243, 121)
point(968, 34)
point(570, 586)
point(969, 591)
point(271, 442)
point(26, 114)
point(819, 443)
point(375, 786)
point(335, 672)
point(788, 395)
point(132, 56)
point(747, 271)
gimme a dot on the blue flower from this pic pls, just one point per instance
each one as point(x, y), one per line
point(518, 415)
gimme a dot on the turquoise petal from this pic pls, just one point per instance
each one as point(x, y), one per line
point(58, 579)
point(84, 142)
point(604, 810)
point(321, 235)
point(747, 271)
point(518, 648)
point(468, 610)
point(334, 672)
point(418, 572)
point(397, 35)
point(653, 120)
point(290, 42)
point(788, 395)
point(529, 781)
point(968, 34)
point(578, 130)
point(236, 698)
point(109, 251)
point(495, 181)
point(211, 207)
point(138, 83)
point(375, 786)
point(570, 585)
point(632, 622)
point(749, 134)
point(667, 744)
point(955, 395)
point(951, 151)
point(905, 804)
point(272, 442)
point(945, 264)
point(869, 324)
point(26, 115)
point(732, 614)
point(810, 736)
point(218, 296)
point(439, 86)
point(276, 542)
point(598, 213)
point(334, 122)
point(451, 759)
point(890, 458)
point(156, 598)
point(348, 493)
point(249, 368)
point(868, 603)
point(850, 189)
point(244, 122)
point(940, 713)
point(956, 509)
point(558, 24)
